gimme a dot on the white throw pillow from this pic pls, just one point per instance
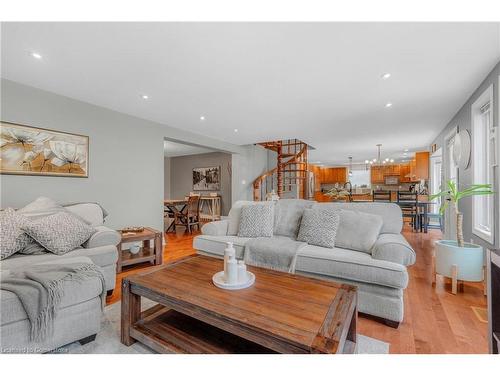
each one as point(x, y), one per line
point(358, 230)
point(235, 213)
point(91, 213)
point(60, 232)
point(12, 236)
point(256, 221)
point(319, 227)
point(41, 207)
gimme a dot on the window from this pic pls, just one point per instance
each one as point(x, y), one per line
point(482, 169)
point(360, 177)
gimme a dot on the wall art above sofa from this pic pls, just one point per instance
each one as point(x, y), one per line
point(26, 150)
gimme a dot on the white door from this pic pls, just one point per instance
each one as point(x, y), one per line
point(436, 178)
point(450, 173)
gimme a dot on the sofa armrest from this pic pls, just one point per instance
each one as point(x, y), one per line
point(103, 237)
point(393, 248)
point(215, 228)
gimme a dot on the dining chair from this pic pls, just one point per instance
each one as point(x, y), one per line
point(408, 201)
point(190, 214)
point(381, 196)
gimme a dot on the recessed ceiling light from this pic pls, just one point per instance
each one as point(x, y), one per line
point(236, 130)
point(406, 150)
point(145, 97)
point(202, 118)
point(36, 55)
point(388, 105)
point(386, 76)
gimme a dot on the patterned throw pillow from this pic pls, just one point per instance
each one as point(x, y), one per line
point(12, 237)
point(319, 227)
point(59, 233)
point(256, 221)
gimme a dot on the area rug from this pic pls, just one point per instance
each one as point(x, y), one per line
point(108, 339)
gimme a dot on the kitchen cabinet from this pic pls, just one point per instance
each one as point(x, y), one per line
point(404, 173)
point(333, 175)
point(416, 169)
point(377, 175)
point(422, 165)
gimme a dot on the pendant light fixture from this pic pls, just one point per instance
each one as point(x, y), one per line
point(378, 160)
point(350, 166)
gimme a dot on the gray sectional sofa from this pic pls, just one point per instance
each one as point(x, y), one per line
point(380, 274)
point(79, 317)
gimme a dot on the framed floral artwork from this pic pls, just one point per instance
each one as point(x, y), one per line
point(26, 150)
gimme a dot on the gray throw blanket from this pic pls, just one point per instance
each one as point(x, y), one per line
point(276, 253)
point(40, 289)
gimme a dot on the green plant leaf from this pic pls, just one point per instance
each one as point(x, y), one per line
point(440, 194)
point(443, 207)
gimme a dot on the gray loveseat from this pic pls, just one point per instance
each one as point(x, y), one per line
point(380, 275)
point(79, 317)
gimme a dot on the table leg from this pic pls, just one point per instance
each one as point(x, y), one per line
point(119, 262)
point(158, 249)
point(425, 218)
point(454, 278)
point(131, 312)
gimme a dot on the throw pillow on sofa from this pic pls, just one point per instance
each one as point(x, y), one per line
point(234, 215)
point(358, 230)
point(41, 207)
point(60, 232)
point(256, 221)
point(12, 236)
point(319, 227)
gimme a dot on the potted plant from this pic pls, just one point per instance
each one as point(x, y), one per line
point(453, 195)
point(458, 259)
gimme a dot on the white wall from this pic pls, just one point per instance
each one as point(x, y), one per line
point(246, 167)
point(167, 188)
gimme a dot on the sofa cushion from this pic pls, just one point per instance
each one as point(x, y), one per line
point(101, 256)
point(394, 248)
point(390, 212)
point(75, 292)
point(319, 227)
point(235, 214)
point(256, 221)
point(351, 265)
point(288, 213)
point(12, 236)
point(91, 213)
point(357, 230)
point(59, 233)
point(215, 245)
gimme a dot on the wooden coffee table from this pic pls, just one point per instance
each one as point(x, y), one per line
point(280, 313)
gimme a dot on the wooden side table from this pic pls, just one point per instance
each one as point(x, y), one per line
point(154, 254)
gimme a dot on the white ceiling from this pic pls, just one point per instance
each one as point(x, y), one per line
point(173, 149)
point(319, 82)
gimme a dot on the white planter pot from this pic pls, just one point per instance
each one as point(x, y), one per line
point(469, 260)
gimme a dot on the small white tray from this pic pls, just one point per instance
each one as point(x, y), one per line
point(218, 280)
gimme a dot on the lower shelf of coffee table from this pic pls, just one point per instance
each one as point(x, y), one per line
point(145, 254)
point(168, 331)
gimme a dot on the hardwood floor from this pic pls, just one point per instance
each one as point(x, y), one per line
point(436, 321)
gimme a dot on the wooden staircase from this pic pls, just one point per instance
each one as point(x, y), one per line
point(290, 177)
